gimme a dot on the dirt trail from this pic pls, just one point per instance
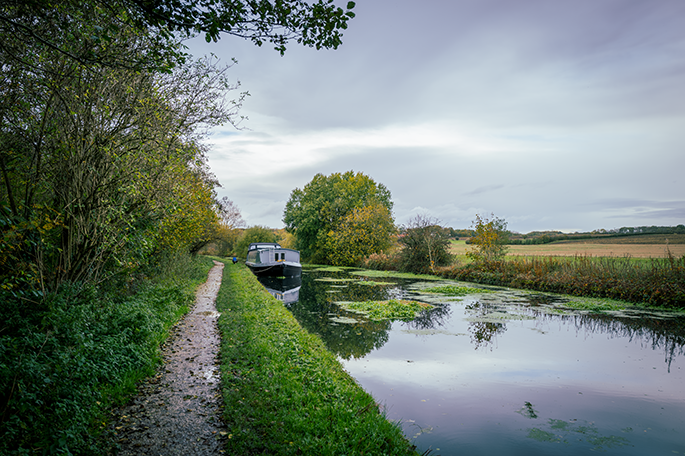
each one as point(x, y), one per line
point(178, 411)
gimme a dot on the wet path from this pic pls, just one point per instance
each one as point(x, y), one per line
point(178, 411)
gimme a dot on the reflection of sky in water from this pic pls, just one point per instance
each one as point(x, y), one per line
point(595, 383)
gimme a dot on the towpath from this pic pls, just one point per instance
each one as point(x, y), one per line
point(178, 411)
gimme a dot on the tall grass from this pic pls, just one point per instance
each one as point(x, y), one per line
point(657, 282)
point(66, 360)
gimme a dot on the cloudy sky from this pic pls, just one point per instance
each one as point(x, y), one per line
point(554, 115)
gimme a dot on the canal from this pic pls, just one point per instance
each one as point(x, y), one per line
point(490, 370)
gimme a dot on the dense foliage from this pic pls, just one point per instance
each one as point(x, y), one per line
point(362, 232)
point(425, 246)
point(330, 208)
point(102, 169)
point(87, 31)
point(285, 393)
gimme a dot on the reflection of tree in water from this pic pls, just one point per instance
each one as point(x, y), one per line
point(431, 318)
point(317, 305)
point(666, 334)
point(483, 331)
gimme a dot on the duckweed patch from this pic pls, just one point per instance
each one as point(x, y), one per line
point(393, 309)
point(594, 305)
point(330, 269)
point(332, 279)
point(394, 275)
point(454, 290)
point(374, 283)
point(561, 430)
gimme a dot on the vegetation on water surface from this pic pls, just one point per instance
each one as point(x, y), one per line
point(454, 290)
point(393, 309)
point(393, 274)
point(285, 393)
point(65, 362)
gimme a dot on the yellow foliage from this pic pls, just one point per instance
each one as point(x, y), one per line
point(362, 232)
point(489, 240)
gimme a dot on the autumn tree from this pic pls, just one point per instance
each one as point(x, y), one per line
point(322, 208)
point(360, 233)
point(489, 240)
point(96, 161)
point(425, 245)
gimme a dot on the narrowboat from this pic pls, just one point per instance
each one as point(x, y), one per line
point(270, 259)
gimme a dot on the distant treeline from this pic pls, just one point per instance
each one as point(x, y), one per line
point(545, 237)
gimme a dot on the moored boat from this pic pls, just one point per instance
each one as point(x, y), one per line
point(270, 259)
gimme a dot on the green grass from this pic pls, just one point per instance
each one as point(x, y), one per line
point(284, 392)
point(65, 362)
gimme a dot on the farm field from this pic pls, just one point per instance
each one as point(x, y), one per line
point(589, 248)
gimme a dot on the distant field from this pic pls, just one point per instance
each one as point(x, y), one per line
point(643, 239)
point(595, 248)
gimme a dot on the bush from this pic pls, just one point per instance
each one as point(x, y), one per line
point(425, 246)
point(382, 262)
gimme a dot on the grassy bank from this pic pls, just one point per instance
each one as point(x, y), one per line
point(284, 392)
point(66, 360)
point(658, 282)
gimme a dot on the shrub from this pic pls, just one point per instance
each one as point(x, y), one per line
point(382, 262)
point(425, 246)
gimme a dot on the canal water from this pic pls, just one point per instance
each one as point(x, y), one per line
point(503, 371)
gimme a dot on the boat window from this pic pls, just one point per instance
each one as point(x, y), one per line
point(282, 256)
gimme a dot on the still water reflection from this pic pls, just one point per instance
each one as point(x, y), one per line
point(507, 372)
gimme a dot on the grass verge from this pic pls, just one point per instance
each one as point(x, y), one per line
point(284, 392)
point(67, 360)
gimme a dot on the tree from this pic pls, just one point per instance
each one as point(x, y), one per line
point(80, 30)
point(229, 214)
point(425, 245)
point(490, 239)
point(323, 204)
point(362, 232)
point(96, 162)
point(255, 233)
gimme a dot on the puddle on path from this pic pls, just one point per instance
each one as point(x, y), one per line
point(178, 411)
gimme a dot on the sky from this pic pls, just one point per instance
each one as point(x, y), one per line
point(554, 115)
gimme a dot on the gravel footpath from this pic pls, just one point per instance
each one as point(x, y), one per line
point(178, 411)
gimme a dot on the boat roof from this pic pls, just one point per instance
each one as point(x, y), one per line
point(264, 245)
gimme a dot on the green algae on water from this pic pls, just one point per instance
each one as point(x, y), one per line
point(393, 309)
point(454, 290)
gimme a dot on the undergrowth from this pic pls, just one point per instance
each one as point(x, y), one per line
point(284, 392)
point(66, 360)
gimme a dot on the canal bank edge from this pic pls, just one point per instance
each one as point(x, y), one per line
point(284, 392)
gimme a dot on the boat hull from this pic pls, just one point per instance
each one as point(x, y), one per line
point(275, 269)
